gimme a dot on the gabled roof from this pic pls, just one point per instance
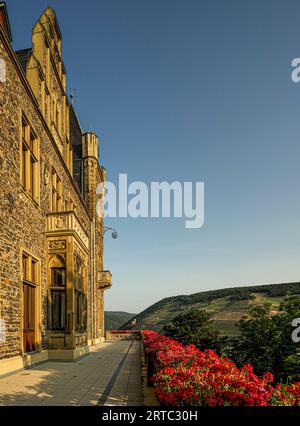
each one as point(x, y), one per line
point(55, 23)
point(4, 20)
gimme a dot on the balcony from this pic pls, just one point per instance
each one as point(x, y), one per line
point(66, 223)
point(104, 280)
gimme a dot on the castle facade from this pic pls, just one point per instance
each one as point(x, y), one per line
point(52, 276)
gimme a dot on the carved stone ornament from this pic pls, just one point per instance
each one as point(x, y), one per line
point(57, 245)
point(61, 222)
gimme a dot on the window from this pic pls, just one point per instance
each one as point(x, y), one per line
point(58, 277)
point(80, 301)
point(30, 160)
point(58, 310)
point(68, 154)
point(30, 281)
point(53, 110)
point(47, 107)
point(57, 122)
point(58, 295)
point(56, 193)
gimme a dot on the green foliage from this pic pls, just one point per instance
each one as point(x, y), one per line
point(292, 366)
point(115, 319)
point(265, 340)
point(193, 326)
point(241, 296)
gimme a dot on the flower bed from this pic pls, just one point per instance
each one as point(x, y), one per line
point(186, 376)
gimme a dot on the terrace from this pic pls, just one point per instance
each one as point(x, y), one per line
point(109, 376)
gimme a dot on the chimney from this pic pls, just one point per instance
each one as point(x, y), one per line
point(4, 21)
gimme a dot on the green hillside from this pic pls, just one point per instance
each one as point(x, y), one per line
point(115, 319)
point(227, 305)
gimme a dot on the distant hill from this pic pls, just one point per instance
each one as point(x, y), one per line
point(227, 305)
point(115, 319)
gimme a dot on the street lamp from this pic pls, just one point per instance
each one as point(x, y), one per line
point(114, 232)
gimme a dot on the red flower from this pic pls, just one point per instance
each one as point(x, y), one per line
point(186, 376)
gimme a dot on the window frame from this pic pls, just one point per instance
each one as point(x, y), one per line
point(80, 300)
point(29, 160)
point(56, 193)
point(56, 291)
point(62, 319)
point(30, 277)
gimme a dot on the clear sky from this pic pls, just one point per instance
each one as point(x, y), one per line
point(190, 90)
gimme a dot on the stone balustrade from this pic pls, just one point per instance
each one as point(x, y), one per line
point(123, 335)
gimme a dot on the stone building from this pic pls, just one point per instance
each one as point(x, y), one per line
point(52, 277)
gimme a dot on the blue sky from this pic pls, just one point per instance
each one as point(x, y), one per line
point(195, 90)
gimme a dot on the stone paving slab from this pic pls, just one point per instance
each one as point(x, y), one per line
point(127, 388)
point(79, 383)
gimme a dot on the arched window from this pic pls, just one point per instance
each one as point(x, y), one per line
point(58, 294)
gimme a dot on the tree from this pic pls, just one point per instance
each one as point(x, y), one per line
point(193, 326)
point(265, 340)
point(292, 367)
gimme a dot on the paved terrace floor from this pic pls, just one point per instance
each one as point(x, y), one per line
point(110, 375)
